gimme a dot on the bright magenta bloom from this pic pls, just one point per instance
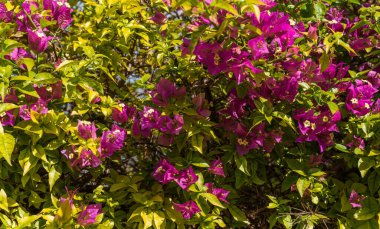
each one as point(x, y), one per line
point(88, 216)
point(356, 199)
point(159, 18)
point(186, 178)
point(5, 15)
point(360, 97)
point(86, 129)
point(87, 158)
point(38, 41)
point(124, 114)
point(49, 92)
point(220, 193)
point(164, 172)
point(166, 90)
point(112, 140)
point(17, 55)
point(216, 167)
point(187, 209)
point(60, 10)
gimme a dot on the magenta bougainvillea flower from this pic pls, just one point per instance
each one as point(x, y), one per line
point(216, 167)
point(241, 69)
point(86, 129)
point(220, 193)
point(159, 18)
point(24, 112)
point(357, 142)
point(87, 159)
point(169, 125)
point(5, 15)
point(112, 140)
point(267, 4)
point(88, 216)
point(335, 17)
point(235, 106)
point(11, 97)
point(359, 99)
point(17, 55)
point(259, 47)
point(245, 141)
point(186, 178)
point(149, 118)
point(286, 89)
point(187, 209)
point(70, 154)
point(279, 90)
point(22, 19)
point(201, 105)
point(332, 75)
point(167, 2)
point(38, 41)
point(7, 118)
point(40, 107)
point(49, 92)
point(319, 127)
point(124, 113)
point(356, 199)
point(60, 10)
point(165, 90)
point(213, 56)
point(164, 172)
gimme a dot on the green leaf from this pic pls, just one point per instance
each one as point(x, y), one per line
point(368, 211)
point(333, 107)
point(346, 46)
point(296, 166)
point(341, 148)
point(4, 107)
point(302, 185)
point(241, 164)
point(212, 199)
point(7, 145)
point(108, 224)
point(199, 162)
point(324, 61)
point(26, 221)
point(224, 5)
point(54, 175)
point(237, 214)
point(118, 186)
point(29, 62)
point(89, 51)
point(197, 142)
point(320, 11)
point(40, 153)
point(147, 218)
point(158, 220)
point(364, 164)
point(272, 220)
point(286, 221)
point(3, 200)
point(374, 182)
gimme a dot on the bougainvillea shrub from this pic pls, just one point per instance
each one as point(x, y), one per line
point(189, 114)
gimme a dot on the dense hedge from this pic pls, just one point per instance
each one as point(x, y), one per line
point(189, 114)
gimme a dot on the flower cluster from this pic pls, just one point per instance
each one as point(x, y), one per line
point(318, 127)
point(29, 21)
point(256, 138)
point(165, 172)
point(110, 142)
